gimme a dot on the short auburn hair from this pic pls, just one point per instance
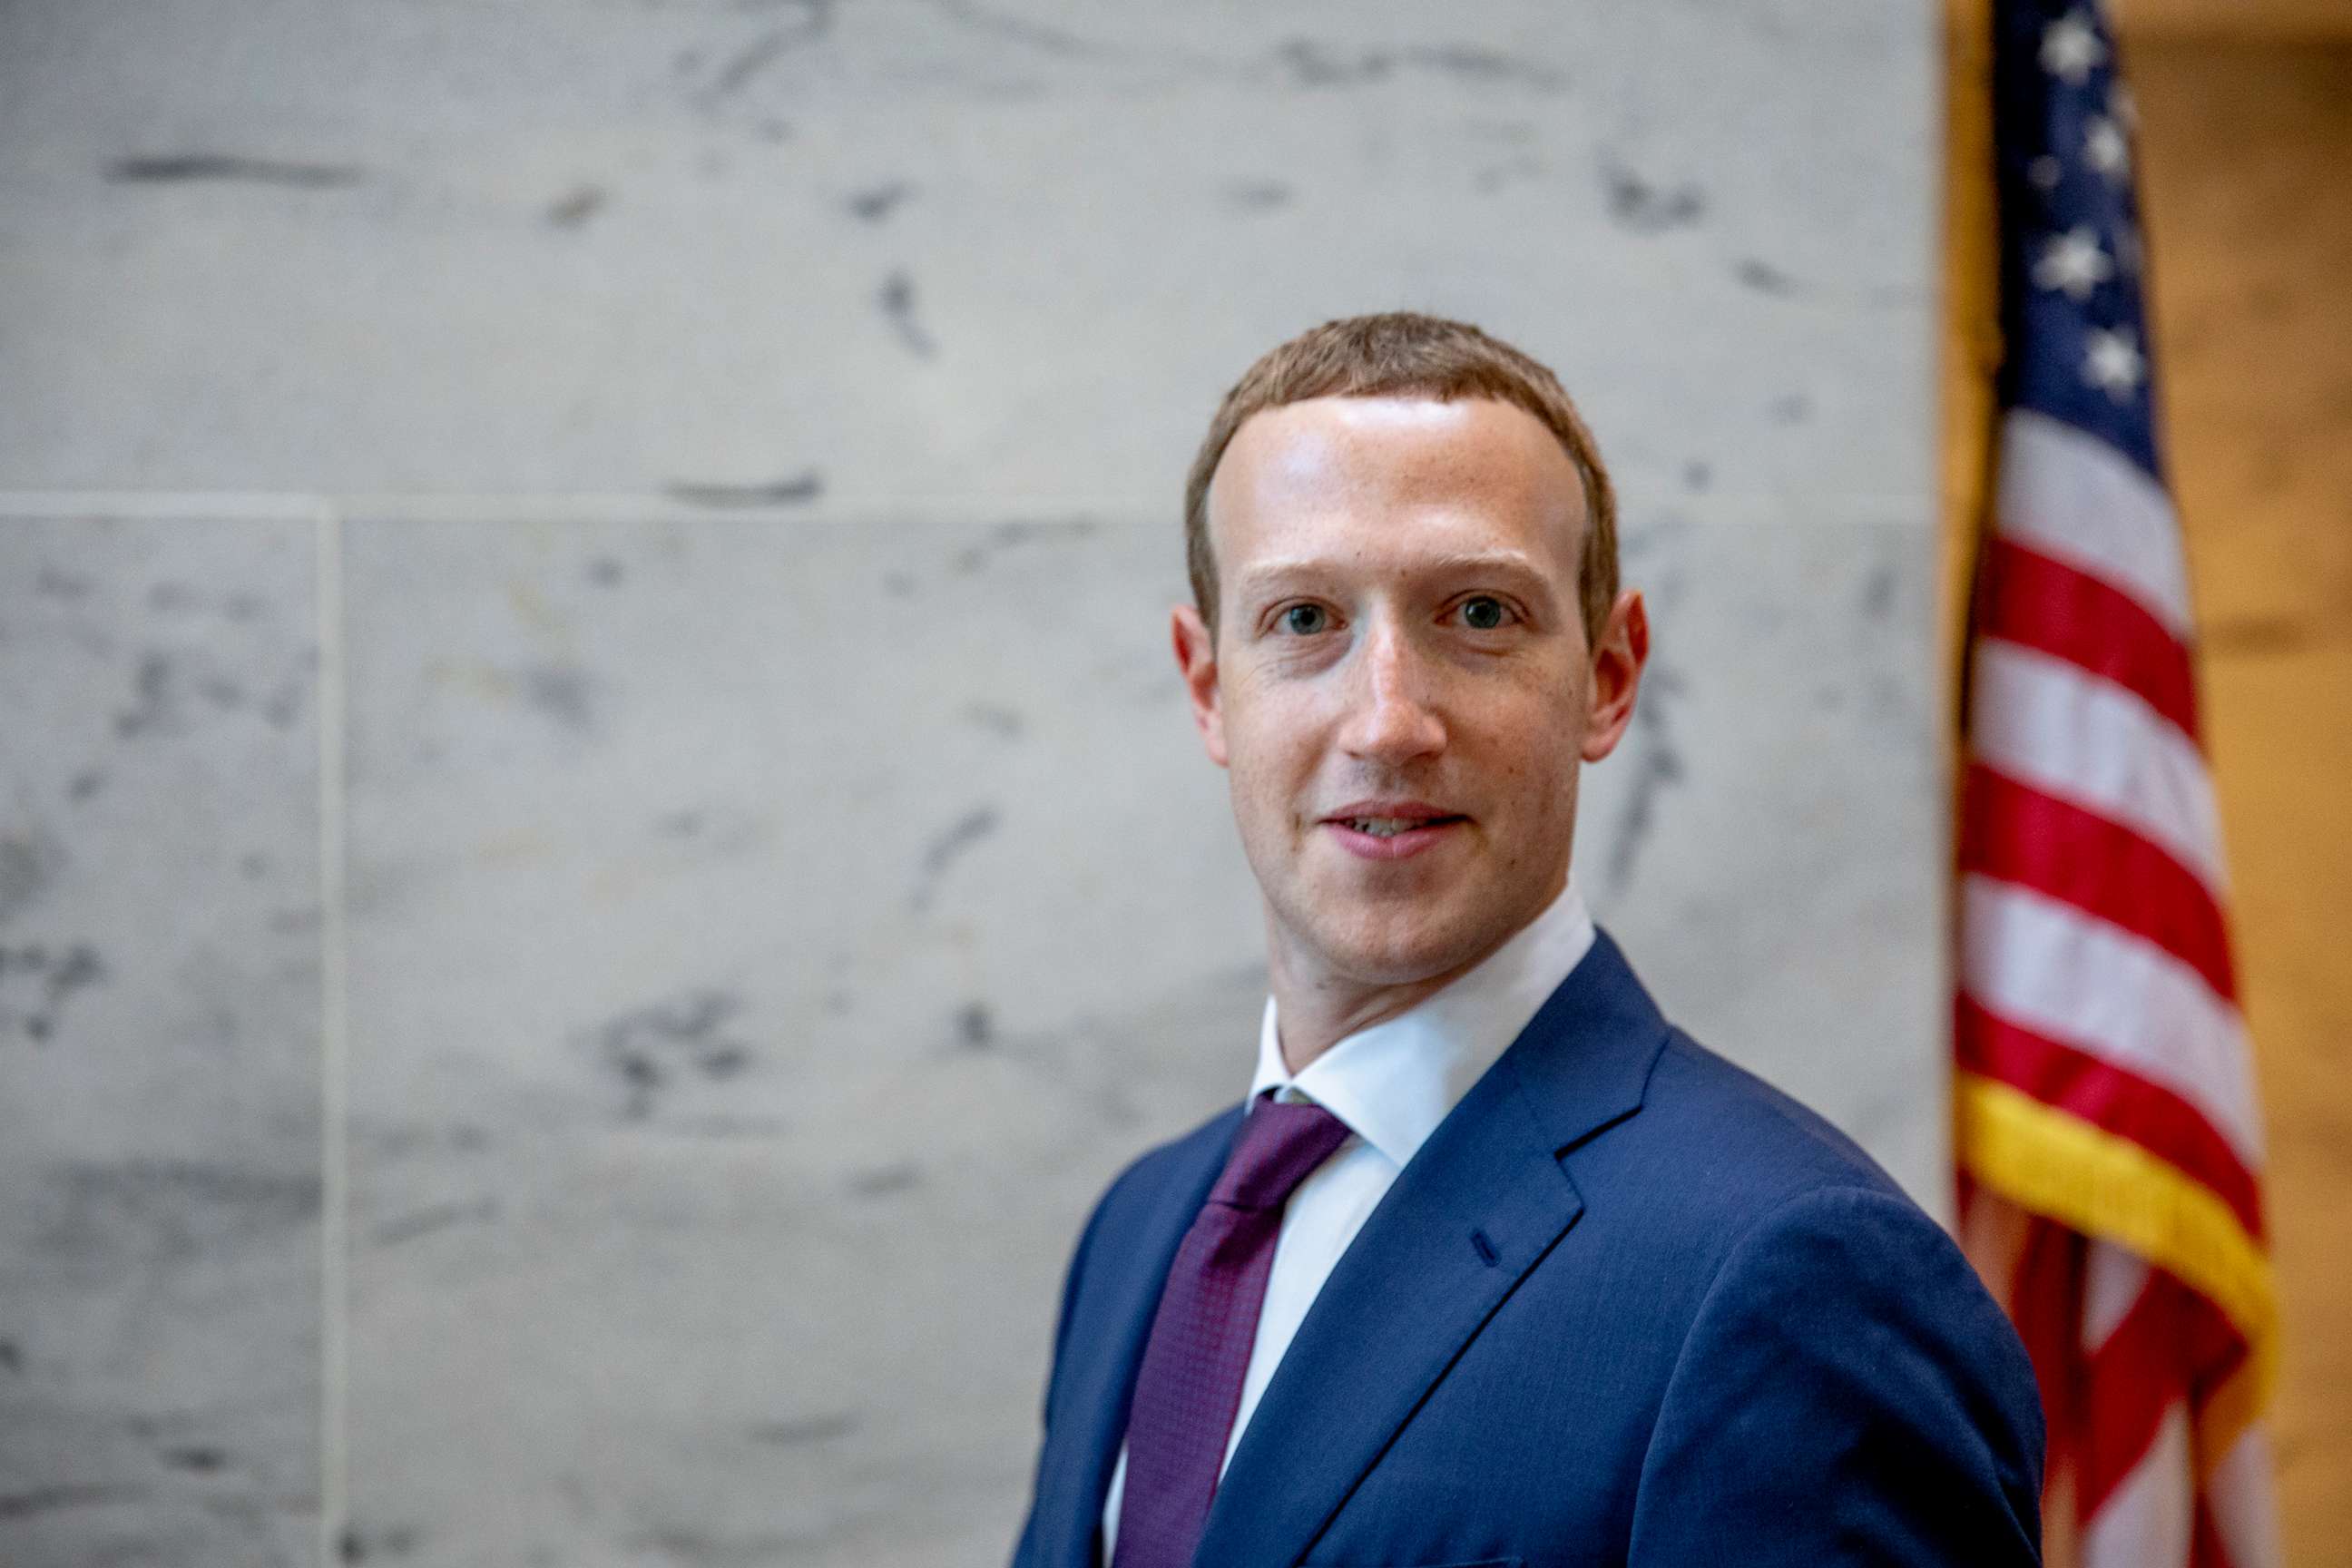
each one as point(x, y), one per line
point(1401, 354)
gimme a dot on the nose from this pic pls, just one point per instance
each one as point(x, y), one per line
point(1391, 718)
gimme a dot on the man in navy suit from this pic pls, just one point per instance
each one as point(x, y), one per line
point(1493, 1265)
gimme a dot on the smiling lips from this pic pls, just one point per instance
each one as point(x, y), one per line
point(1391, 830)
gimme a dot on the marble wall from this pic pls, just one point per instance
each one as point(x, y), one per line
point(600, 850)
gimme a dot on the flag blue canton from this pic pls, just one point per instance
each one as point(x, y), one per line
point(2071, 309)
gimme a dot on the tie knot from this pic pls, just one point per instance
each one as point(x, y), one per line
point(1279, 1145)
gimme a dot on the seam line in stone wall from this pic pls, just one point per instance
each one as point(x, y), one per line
point(1893, 509)
point(334, 1152)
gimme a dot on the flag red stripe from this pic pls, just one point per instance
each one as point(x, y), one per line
point(2205, 1546)
point(2030, 599)
point(2128, 1383)
point(2111, 1099)
point(2068, 493)
point(2172, 1345)
point(2079, 858)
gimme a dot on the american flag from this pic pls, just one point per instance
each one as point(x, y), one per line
point(2107, 1136)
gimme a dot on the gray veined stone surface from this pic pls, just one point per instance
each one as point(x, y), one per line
point(159, 1043)
point(1769, 843)
point(783, 881)
point(730, 1052)
point(966, 252)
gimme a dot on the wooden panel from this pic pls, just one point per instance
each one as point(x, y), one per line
point(2250, 239)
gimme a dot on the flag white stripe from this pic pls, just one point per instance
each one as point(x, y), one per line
point(2246, 1515)
point(2113, 1281)
point(2146, 1520)
point(2076, 499)
point(2056, 728)
point(2049, 967)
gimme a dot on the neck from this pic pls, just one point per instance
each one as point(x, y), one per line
point(1316, 1013)
point(1316, 1005)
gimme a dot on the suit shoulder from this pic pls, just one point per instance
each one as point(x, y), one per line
point(1714, 1149)
point(1762, 1122)
point(1777, 1207)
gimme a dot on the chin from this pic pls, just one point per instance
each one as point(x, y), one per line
point(1399, 951)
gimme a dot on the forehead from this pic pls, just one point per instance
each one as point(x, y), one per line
point(1392, 479)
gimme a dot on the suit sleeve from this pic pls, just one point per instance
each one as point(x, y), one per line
point(1026, 1550)
point(1848, 1394)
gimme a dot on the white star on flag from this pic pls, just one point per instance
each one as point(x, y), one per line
point(2073, 263)
point(2106, 149)
point(2114, 363)
point(2069, 47)
point(2045, 172)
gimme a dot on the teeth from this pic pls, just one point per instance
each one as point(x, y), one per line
point(1386, 827)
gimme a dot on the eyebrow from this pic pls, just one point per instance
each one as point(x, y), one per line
point(1509, 564)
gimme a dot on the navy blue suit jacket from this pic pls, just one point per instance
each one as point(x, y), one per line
point(1627, 1305)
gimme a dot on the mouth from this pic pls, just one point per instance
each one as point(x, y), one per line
point(1394, 835)
point(1391, 827)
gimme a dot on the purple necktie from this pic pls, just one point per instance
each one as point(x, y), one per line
point(1190, 1386)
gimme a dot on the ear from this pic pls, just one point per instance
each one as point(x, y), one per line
point(1617, 659)
point(1196, 660)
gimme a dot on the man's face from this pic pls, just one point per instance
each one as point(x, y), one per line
point(1399, 634)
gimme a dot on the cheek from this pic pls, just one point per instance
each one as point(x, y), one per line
point(1271, 755)
point(1531, 746)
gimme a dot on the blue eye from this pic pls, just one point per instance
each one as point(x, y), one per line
point(1484, 612)
point(1290, 618)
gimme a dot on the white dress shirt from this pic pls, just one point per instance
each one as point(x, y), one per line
point(1391, 1084)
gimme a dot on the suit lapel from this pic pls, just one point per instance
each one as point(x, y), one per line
point(1480, 1205)
point(1106, 1348)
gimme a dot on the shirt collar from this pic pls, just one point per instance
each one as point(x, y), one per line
point(1393, 1083)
